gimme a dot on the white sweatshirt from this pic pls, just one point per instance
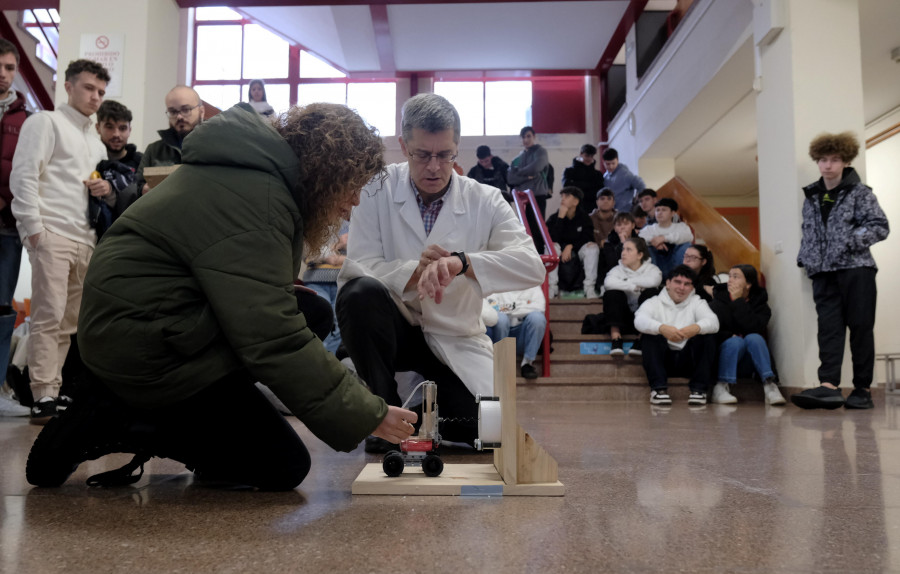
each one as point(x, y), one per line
point(661, 310)
point(675, 233)
point(56, 152)
point(632, 282)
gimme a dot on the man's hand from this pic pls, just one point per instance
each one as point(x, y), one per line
point(671, 333)
point(431, 254)
point(98, 187)
point(396, 425)
point(566, 255)
point(563, 211)
point(659, 243)
point(689, 331)
point(437, 276)
point(33, 239)
point(145, 189)
point(623, 237)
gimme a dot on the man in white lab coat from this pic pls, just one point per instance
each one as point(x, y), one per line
point(426, 246)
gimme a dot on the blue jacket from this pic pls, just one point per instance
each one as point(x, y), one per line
point(624, 185)
point(856, 222)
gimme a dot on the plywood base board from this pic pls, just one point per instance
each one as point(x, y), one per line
point(456, 480)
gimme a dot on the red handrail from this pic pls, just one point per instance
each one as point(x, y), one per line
point(26, 68)
point(550, 258)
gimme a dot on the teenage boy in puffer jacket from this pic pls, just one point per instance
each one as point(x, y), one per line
point(841, 222)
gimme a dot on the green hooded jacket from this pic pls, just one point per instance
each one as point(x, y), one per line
point(195, 281)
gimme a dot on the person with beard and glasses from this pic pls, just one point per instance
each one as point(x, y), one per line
point(185, 112)
point(50, 181)
point(119, 172)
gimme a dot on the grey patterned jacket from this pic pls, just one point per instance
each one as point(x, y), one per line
point(856, 222)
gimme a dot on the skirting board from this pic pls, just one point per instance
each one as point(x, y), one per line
point(455, 480)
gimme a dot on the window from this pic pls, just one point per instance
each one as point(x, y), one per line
point(43, 25)
point(231, 51)
point(493, 108)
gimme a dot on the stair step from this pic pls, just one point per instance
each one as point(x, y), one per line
point(569, 310)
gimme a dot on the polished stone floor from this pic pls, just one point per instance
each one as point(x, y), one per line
point(720, 489)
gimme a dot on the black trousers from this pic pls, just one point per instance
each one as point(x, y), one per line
point(695, 361)
point(617, 313)
point(846, 299)
point(381, 343)
point(228, 432)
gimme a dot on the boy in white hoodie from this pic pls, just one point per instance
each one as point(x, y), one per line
point(678, 338)
point(668, 238)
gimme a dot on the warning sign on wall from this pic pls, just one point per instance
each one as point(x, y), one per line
point(109, 51)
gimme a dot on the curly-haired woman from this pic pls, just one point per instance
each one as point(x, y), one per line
point(190, 300)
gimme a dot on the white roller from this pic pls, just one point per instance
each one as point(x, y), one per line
point(489, 421)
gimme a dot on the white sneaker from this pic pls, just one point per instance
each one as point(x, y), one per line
point(553, 291)
point(589, 292)
point(773, 395)
point(722, 396)
point(696, 398)
point(10, 408)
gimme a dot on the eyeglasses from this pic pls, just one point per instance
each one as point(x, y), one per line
point(692, 258)
point(424, 157)
point(182, 111)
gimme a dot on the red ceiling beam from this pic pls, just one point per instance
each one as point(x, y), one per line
point(29, 4)
point(384, 44)
point(632, 13)
point(239, 3)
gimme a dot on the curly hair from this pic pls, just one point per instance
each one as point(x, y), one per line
point(91, 67)
point(113, 111)
point(843, 144)
point(339, 154)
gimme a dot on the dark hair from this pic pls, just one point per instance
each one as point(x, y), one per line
point(7, 47)
point(525, 130)
point(89, 66)
point(708, 270)
point(113, 111)
point(610, 154)
point(647, 192)
point(605, 192)
point(641, 245)
point(843, 144)
point(262, 85)
point(668, 202)
point(482, 152)
point(623, 216)
point(750, 275)
point(573, 191)
point(636, 211)
point(588, 149)
point(682, 271)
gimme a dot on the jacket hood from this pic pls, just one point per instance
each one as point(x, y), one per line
point(849, 179)
point(239, 137)
point(666, 301)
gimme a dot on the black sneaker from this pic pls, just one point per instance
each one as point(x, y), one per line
point(820, 397)
point(378, 445)
point(43, 410)
point(63, 402)
point(859, 399)
point(85, 431)
point(529, 372)
point(635, 350)
point(660, 397)
point(697, 398)
point(617, 349)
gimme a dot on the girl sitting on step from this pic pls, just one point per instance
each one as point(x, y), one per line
point(628, 284)
point(743, 311)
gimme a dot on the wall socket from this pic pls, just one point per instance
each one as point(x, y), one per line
point(779, 247)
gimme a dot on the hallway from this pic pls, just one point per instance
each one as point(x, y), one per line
point(749, 488)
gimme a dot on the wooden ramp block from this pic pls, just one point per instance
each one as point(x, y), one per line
point(456, 480)
point(155, 175)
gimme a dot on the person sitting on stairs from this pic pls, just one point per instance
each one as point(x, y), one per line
point(634, 280)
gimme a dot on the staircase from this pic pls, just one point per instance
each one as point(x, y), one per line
point(601, 377)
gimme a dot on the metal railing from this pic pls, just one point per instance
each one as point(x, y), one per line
point(521, 201)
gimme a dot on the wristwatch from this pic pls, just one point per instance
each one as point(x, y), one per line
point(464, 259)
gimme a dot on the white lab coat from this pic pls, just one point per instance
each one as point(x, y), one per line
point(387, 238)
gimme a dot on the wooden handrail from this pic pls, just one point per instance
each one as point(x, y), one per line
point(729, 246)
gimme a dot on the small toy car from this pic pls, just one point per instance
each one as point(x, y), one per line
point(422, 448)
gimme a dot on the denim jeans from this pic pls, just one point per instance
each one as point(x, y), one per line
point(740, 354)
point(10, 260)
point(529, 333)
point(329, 292)
point(670, 259)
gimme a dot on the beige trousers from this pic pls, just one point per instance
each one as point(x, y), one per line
point(58, 267)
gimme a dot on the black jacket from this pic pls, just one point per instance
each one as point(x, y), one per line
point(584, 177)
point(495, 177)
point(741, 317)
point(576, 231)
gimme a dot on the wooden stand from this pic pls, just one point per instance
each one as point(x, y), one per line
point(155, 175)
point(521, 467)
